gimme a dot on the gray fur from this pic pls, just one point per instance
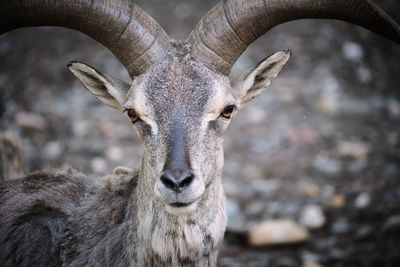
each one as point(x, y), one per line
point(58, 218)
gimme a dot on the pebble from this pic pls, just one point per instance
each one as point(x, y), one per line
point(114, 153)
point(362, 201)
point(310, 190)
point(311, 264)
point(356, 150)
point(53, 149)
point(99, 165)
point(30, 121)
point(266, 186)
point(303, 134)
point(236, 219)
point(338, 201)
point(327, 165)
point(352, 51)
point(341, 226)
point(392, 223)
point(312, 217)
point(277, 232)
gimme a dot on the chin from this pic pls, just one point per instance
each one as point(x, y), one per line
point(180, 209)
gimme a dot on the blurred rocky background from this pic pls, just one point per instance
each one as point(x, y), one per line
point(312, 173)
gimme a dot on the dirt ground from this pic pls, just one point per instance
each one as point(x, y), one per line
point(327, 132)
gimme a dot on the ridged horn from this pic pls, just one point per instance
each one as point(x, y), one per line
point(232, 25)
point(132, 35)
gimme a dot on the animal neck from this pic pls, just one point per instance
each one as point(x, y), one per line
point(178, 240)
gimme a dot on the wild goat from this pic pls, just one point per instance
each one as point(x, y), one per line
point(170, 211)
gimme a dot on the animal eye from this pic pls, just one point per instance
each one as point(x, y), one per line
point(228, 110)
point(133, 116)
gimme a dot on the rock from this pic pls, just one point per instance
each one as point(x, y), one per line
point(352, 51)
point(311, 264)
point(114, 153)
point(52, 150)
point(277, 232)
point(310, 190)
point(303, 134)
point(338, 201)
point(394, 108)
point(99, 165)
point(364, 74)
point(30, 121)
point(362, 201)
point(392, 224)
point(255, 208)
point(327, 165)
point(236, 219)
point(340, 226)
point(312, 217)
point(266, 186)
point(356, 150)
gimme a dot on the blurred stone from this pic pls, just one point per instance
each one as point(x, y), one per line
point(352, 51)
point(109, 128)
point(80, 128)
point(254, 208)
point(392, 224)
point(327, 192)
point(312, 217)
point(340, 226)
point(303, 134)
point(329, 100)
point(236, 219)
point(362, 201)
point(311, 264)
point(357, 166)
point(98, 165)
point(356, 150)
point(338, 201)
point(364, 75)
point(393, 138)
point(310, 190)
point(30, 121)
point(114, 153)
point(327, 165)
point(364, 231)
point(394, 108)
point(266, 186)
point(277, 232)
point(52, 150)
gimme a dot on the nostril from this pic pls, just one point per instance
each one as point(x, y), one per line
point(168, 182)
point(177, 181)
point(186, 181)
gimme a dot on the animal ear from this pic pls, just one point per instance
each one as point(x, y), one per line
point(110, 91)
point(257, 80)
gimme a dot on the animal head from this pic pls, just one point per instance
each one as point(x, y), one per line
point(180, 109)
point(181, 101)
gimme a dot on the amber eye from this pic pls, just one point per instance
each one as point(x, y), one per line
point(133, 116)
point(228, 110)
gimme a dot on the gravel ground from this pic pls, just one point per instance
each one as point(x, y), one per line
point(326, 133)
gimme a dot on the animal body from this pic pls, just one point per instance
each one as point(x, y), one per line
point(170, 210)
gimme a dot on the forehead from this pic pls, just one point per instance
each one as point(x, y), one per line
point(179, 83)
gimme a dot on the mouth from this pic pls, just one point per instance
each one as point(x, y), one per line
point(179, 208)
point(180, 204)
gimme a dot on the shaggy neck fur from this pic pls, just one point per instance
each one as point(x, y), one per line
point(164, 239)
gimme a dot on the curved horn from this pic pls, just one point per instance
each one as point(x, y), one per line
point(132, 35)
point(232, 25)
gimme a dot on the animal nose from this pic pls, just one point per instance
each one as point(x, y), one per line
point(177, 180)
